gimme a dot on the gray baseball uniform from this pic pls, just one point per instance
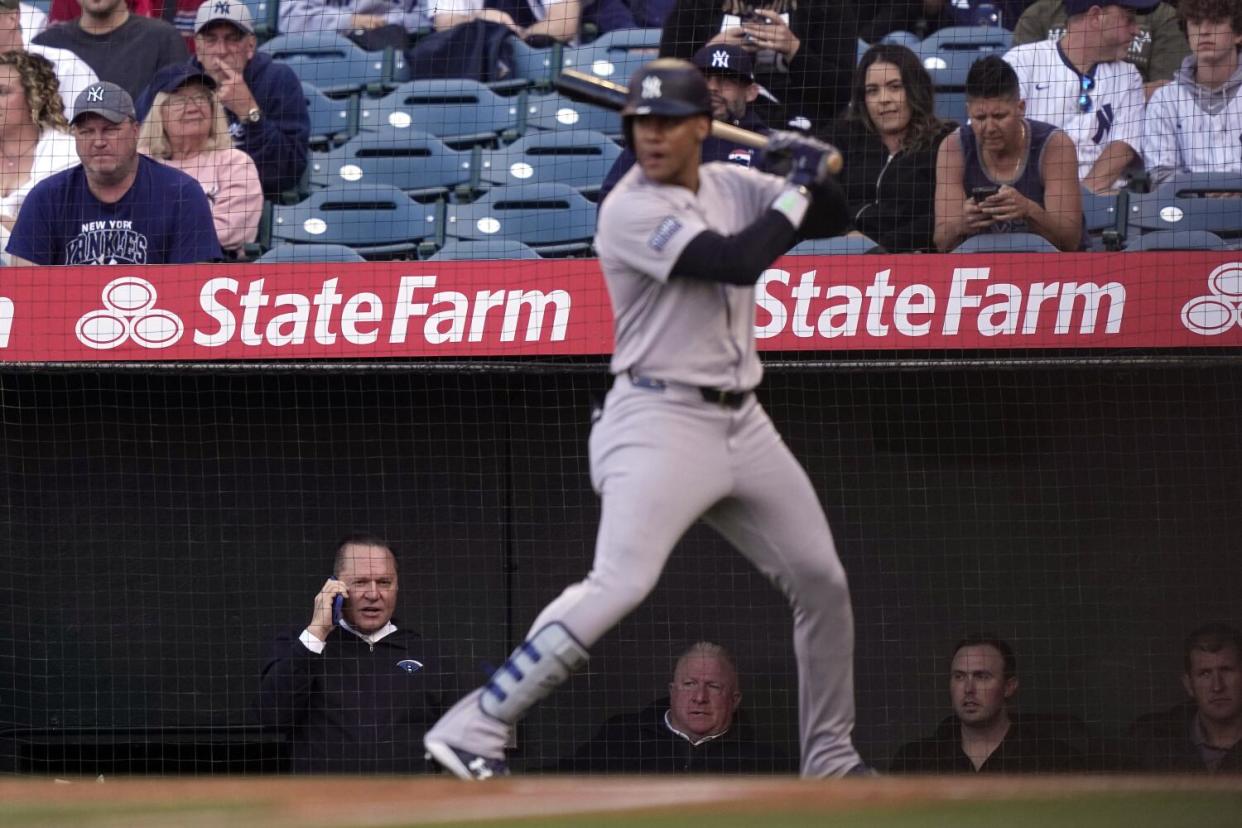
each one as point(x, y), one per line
point(663, 455)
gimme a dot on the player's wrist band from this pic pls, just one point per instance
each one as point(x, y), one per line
point(793, 204)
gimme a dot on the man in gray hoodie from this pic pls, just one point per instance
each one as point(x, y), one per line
point(1195, 123)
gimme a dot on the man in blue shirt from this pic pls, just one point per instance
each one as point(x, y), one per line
point(116, 207)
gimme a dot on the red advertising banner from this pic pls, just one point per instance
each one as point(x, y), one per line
point(560, 307)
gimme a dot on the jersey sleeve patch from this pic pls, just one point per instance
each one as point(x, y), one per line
point(664, 233)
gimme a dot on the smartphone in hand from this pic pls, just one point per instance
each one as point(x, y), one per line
point(978, 194)
point(338, 603)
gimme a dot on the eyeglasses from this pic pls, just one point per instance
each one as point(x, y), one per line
point(179, 103)
point(1084, 97)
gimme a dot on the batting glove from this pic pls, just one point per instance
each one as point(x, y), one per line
point(803, 161)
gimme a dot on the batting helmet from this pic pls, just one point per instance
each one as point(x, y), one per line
point(666, 86)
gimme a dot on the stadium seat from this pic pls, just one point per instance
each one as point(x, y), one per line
point(1177, 240)
point(834, 246)
point(413, 161)
point(903, 38)
point(378, 221)
point(537, 66)
point(554, 219)
point(287, 253)
point(482, 249)
point(1105, 217)
point(265, 14)
point(581, 159)
point(1006, 243)
point(335, 65)
point(1182, 204)
point(947, 55)
point(555, 112)
point(332, 120)
point(455, 111)
point(614, 55)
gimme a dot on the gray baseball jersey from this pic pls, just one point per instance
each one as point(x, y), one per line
point(685, 330)
point(663, 456)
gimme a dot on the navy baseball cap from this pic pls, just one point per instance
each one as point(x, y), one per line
point(725, 59)
point(106, 100)
point(1073, 7)
point(172, 78)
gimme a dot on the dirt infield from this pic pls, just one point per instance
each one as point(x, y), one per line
point(336, 802)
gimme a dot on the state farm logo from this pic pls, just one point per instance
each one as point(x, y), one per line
point(1221, 309)
point(129, 313)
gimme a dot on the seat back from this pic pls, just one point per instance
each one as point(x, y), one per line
point(331, 119)
point(482, 250)
point(456, 111)
point(835, 246)
point(1177, 240)
point(1006, 243)
point(580, 158)
point(614, 55)
point(554, 219)
point(288, 253)
point(1189, 202)
point(333, 64)
point(376, 220)
point(556, 112)
point(413, 161)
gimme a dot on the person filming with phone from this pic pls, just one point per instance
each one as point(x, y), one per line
point(353, 692)
point(1003, 172)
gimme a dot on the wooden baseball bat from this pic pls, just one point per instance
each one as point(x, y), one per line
point(584, 88)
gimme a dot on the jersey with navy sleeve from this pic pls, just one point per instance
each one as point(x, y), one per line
point(164, 218)
point(681, 330)
point(1193, 128)
point(1112, 109)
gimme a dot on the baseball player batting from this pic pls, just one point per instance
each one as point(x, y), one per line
point(682, 437)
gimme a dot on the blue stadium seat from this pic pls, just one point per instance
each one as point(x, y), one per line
point(265, 14)
point(835, 246)
point(553, 219)
point(305, 253)
point(413, 161)
point(1177, 240)
point(482, 249)
point(1105, 218)
point(555, 112)
point(1006, 243)
point(455, 111)
point(947, 55)
point(538, 66)
point(614, 55)
point(1182, 204)
point(581, 159)
point(335, 65)
point(332, 120)
point(378, 221)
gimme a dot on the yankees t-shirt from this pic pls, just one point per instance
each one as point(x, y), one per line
point(1051, 87)
point(163, 219)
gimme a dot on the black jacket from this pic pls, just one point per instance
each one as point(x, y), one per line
point(893, 202)
point(816, 86)
point(642, 743)
point(1161, 742)
point(1025, 749)
point(352, 709)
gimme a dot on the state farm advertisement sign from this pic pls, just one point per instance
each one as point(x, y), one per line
point(549, 308)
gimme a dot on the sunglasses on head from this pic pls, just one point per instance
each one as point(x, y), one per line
point(1084, 96)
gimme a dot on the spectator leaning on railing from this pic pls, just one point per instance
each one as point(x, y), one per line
point(1195, 123)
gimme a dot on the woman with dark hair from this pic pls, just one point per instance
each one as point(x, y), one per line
point(889, 139)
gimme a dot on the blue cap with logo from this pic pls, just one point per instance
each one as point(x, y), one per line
point(106, 100)
point(725, 59)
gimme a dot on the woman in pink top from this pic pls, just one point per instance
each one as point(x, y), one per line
point(186, 129)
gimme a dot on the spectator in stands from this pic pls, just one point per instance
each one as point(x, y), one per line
point(922, 17)
point(731, 80)
point(804, 54)
point(187, 130)
point(262, 99)
point(695, 729)
point(1205, 734)
point(72, 73)
point(889, 139)
point(1006, 173)
point(981, 736)
point(1082, 85)
point(116, 206)
point(1156, 49)
point(122, 48)
point(33, 22)
point(34, 138)
point(356, 696)
point(180, 13)
point(1195, 123)
point(538, 22)
point(372, 24)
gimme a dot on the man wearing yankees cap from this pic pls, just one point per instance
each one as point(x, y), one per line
point(729, 72)
point(116, 206)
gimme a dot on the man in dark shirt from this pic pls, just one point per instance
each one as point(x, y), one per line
point(123, 48)
point(981, 736)
point(353, 692)
point(695, 730)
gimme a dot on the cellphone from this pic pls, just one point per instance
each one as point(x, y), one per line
point(338, 603)
point(980, 193)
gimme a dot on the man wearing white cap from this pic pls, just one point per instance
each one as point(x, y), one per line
point(116, 207)
point(262, 98)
